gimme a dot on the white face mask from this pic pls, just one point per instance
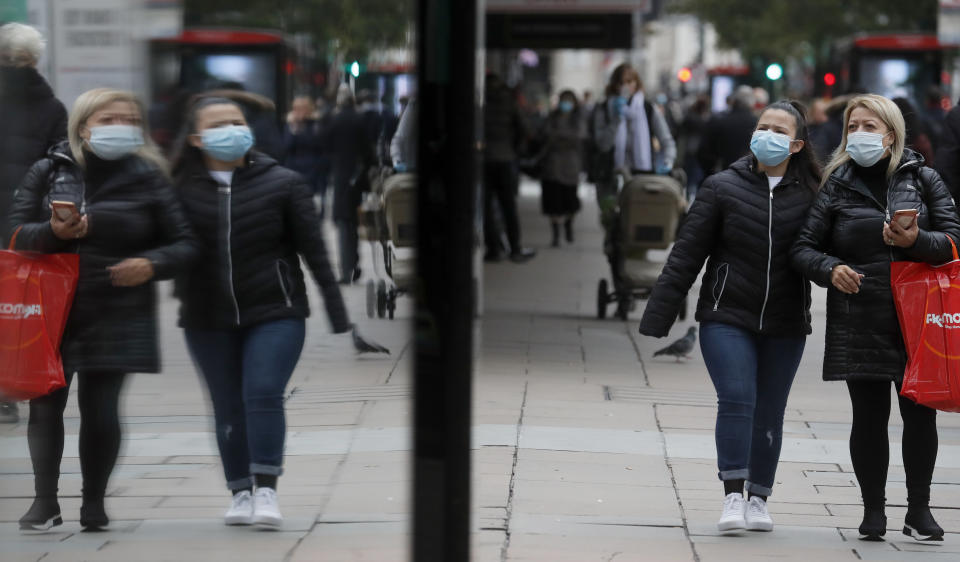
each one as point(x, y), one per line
point(113, 142)
point(865, 148)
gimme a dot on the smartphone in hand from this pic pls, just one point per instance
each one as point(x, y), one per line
point(905, 217)
point(65, 210)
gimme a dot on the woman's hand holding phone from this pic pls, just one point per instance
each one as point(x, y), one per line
point(67, 223)
point(902, 231)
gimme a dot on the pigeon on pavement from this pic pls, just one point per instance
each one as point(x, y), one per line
point(682, 347)
point(363, 345)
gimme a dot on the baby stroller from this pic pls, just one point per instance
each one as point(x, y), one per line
point(388, 220)
point(647, 216)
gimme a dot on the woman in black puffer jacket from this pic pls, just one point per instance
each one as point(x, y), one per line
point(754, 309)
point(847, 245)
point(128, 230)
point(244, 305)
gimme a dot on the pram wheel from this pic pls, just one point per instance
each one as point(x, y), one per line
point(371, 298)
point(602, 299)
point(381, 298)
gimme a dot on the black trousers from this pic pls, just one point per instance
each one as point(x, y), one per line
point(500, 183)
point(98, 396)
point(870, 445)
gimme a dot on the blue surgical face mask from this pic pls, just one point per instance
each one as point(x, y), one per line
point(566, 106)
point(113, 142)
point(227, 144)
point(865, 148)
point(770, 148)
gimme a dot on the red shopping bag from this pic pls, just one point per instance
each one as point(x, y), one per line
point(928, 307)
point(36, 292)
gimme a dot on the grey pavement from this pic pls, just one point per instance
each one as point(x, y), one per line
point(585, 447)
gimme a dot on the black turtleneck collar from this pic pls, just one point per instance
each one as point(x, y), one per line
point(22, 82)
point(875, 177)
point(97, 171)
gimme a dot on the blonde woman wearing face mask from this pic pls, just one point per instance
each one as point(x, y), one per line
point(128, 227)
point(847, 245)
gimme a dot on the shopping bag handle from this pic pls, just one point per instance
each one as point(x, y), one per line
point(954, 247)
point(13, 240)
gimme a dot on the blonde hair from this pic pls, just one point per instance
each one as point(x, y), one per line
point(889, 113)
point(94, 100)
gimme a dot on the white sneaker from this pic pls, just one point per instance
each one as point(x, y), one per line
point(734, 507)
point(758, 518)
point(266, 510)
point(241, 509)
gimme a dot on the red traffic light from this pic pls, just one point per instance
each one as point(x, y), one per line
point(684, 74)
point(829, 79)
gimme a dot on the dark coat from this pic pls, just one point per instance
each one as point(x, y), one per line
point(351, 154)
point(562, 159)
point(33, 121)
point(726, 139)
point(503, 127)
point(133, 213)
point(744, 233)
point(948, 152)
point(863, 340)
point(252, 235)
point(302, 149)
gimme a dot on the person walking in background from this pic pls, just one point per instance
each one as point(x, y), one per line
point(561, 165)
point(350, 148)
point(947, 161)
point(403, 145)
point(691, 134)
point(917, 139)
point(846, 245)
point(34, 121)
point(727, 135)
point(128, 229)
point(244, 305)
point(503, 128)
point(754, 313)
point(302, 141)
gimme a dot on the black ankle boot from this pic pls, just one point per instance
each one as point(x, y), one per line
point(556, 234)
point(43, 515)
point(93, 516)
point(874, 524)
point(568, 229)
point(921, 525)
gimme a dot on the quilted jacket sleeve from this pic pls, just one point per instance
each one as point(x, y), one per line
point(28, 214)
point(931, 245)
point(808, 254)
point(180, 248)
point(302, 217)
point(694, 243)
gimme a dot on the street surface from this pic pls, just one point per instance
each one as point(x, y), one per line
point(585, 447)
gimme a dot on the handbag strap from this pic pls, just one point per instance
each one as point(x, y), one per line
point(13, 240)
point(954, 247)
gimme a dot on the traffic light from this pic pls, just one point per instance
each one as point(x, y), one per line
point(774, 71)
point(355, 69)
point(684, 75)
point(829, 79)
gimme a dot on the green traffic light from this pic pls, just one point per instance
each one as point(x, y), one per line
point(774, 72)
point(355, 69)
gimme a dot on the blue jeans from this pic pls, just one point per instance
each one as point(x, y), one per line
point(247, 371)
point(752, 375)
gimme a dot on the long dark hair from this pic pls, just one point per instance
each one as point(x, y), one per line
point(803, 163)
point(185, 154)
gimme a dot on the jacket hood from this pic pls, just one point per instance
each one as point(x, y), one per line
point(23, 83)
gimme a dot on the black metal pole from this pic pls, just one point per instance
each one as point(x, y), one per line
point(447, 162)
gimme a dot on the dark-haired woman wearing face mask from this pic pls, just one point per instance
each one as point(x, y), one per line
point(564, 131)
point(847, 245)
point(244, 305)
point(128, 229)
point(754, 311)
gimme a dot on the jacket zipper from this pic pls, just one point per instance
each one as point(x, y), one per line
point(766, 294)
point(225, 191)
point(716, 299)
point(283, 287)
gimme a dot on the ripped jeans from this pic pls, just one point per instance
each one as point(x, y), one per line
point(247, 371)
point(752, 375)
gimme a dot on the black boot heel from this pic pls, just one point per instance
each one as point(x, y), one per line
point(93, 516)
point(43, 515)
point(921, 526)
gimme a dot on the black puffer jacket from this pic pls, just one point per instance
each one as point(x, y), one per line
point(845, 225)
point(134, 212)
point(746, 232)
point(33, 121)
point(252, 235)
